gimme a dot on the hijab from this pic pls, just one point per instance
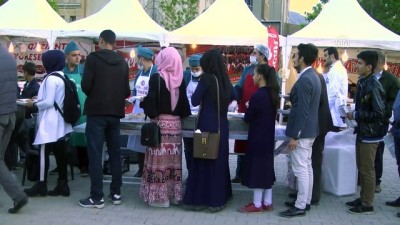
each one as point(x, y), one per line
point(212, 63)
point(53, 60)
point(169, 65)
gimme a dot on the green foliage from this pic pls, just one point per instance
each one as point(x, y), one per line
point(2, 2)
point(177, 13)
point(53, 4)
point(386, 12)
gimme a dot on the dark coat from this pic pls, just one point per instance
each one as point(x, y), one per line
point(324, 116)
point(304, 97)
point(391, 85)
point(105, 82)
point(370, 109)
point(258, 169)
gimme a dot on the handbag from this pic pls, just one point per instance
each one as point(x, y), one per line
point(150, 132)
point(206, 144)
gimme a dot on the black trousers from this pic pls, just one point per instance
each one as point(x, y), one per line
point(379, 162)
point(316, 160)
point(59, 149)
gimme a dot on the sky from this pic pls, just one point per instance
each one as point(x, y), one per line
point(302, 6)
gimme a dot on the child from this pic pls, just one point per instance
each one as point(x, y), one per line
point(259, 173)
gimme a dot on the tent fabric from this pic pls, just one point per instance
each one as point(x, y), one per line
point(126, 18)
point(30, 18)
point(344, 23)
point(225, 22)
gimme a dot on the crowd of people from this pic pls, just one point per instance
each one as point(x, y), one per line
point(166, 93)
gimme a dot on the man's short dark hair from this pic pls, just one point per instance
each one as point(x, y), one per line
point(108, 36)
point(29, 68)
point(369, 57)
point(334, 51)
point(309, 52)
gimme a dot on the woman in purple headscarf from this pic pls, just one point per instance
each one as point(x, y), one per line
point(162, 173)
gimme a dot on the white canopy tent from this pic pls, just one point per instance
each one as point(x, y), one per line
point(344, 24)
point(126, 18)
point(30, 18)
point(225, 22)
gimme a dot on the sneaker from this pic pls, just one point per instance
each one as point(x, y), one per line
point(251, 208)
point(378, 188)
point(267, 208)
point(115, 199)
point(90, 203)
point(362, 210)
point(354, 203)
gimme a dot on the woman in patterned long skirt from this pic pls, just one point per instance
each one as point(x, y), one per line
point(162, 175)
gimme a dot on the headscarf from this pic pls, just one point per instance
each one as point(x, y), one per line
point(53, 60)
point(213, 63)
point(169, 65)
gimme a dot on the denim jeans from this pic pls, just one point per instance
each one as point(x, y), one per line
point(396, 138)
point(98, 130)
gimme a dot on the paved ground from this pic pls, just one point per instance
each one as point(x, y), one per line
point(65, 211)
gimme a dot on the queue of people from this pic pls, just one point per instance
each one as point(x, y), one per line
point(173, 94)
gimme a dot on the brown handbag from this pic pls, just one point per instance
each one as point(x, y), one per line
point(206, 144)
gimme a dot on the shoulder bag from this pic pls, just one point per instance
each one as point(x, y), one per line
point(206, 144)
point(150, 132)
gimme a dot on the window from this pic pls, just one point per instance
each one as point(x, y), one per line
point(72, 18)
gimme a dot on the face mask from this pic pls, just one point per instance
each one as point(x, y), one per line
point(253, 59)
point(197, 74)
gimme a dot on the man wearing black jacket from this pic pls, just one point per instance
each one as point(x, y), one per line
point(105, 81)
point(370, 117)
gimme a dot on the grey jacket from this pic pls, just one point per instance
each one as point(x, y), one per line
point(8, 80)
point(305, 99)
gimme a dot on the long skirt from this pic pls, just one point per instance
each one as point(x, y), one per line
point(162, 173)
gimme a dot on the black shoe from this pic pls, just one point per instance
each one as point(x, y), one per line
point(236, 180)
point(138, 174)
point(292, 212)
point(395, 203)
point(291, 205)
point(61, 189)
point(18, 206)
point(90, 203)
point(354, 203)
point(54, 172)
point(39, 188)
point(292, 195)
point(361, 210)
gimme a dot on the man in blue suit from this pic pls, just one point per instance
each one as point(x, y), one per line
point(302, 126)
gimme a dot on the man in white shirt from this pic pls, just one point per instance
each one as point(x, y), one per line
point(337, 85)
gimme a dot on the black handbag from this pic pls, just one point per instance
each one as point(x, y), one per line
point(150, 132)
point(151, 135)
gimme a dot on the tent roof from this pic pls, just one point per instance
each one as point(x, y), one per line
point(344, 23)
point(225, 22)
point(126, 18)
point(29, 18)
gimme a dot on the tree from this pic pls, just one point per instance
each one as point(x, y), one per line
point(177, 13)
point(52, 3)
point(315, 11)
point(384, 11)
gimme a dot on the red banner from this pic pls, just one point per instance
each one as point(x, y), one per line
point(273, 45)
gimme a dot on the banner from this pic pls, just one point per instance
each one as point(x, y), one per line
point(273, 45)
point(34, 51)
